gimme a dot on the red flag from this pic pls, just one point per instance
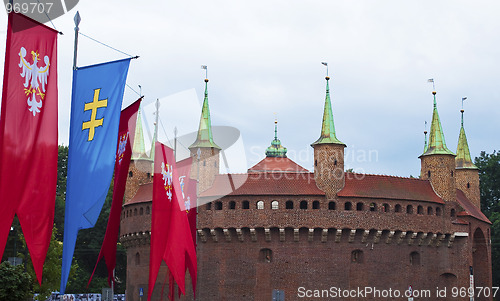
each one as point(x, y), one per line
point(126, 135)
point(171, 239)
point(188, 191)
point(28, 135)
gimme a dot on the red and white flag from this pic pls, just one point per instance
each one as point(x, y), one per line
point(171, 238)
point(126, 133)
point(28, 135)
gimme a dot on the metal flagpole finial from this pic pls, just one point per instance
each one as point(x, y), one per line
point(206, 70)
point(140, 91)
point(77, 19)
point(463, 98)
point(325, 64)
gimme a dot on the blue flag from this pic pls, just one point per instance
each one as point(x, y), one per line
point(95, 115)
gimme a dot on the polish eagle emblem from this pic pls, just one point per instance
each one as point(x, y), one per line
point(122, 145)
point(35, 79)
point(166, 173)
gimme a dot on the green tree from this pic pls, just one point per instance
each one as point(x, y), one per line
point(489, 175)
point(15, 283)
point(51, 269)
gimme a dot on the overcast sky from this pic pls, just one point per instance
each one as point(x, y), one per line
point(264, 57)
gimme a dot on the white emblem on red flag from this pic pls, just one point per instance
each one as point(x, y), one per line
point(36, 78)
point(166, 173)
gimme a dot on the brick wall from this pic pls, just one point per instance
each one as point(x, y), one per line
point(440, 170)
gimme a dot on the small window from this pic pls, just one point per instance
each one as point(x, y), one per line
point(347, 206)
point(331, 206)
point(438, 211)
point(397, 208)
point(232, 205)
point(147, 210)
point(215, 163)
point(428, 173)
point(260, 205)
point(209, 206)
point(130, 174)
point(452, 213)
point(420, 210)
point(246, 205)
point(357, 256)
point(452, 173)
point(468, 185)
point(141, 211)
point(274, 205)
point(289, 204)
point(303, 204)
point(316, 205)
point(135, 212)
point(373, 207)
point(429, 210)
point(335, 162)
point(148, 175)
point(127, 213)
point(414, 258)
point(218, 205)
point(315, 162)
point(137, 258)
point(359, 206)
point(409, 209)
point(266, 255)
point(204, 163)
point(386, 207)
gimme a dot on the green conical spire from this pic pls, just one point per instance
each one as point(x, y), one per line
point(437, 145)
point(328, 129)
point(276, 149)
point(205, 138)
point(463, 159)
point(138, 149)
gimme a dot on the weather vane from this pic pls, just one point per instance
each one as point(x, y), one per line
point(206, 70)
point(431, 80)
point(325, 64)
point(463, 98)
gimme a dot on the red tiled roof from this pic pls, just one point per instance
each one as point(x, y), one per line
point(270, 183)
point(388, 187)
point(469, 208)
point(276, 164)
point(143, 194)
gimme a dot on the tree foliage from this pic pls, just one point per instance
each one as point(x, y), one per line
point(15, 283)
point(489, 176)
point(89, 241)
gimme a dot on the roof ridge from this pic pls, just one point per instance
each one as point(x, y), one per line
point(387, 176)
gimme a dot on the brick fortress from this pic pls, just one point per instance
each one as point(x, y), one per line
point(280, 227)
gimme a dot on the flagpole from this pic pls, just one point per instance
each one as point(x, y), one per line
point(77, 20)
point(175, 144)
point(156, 118)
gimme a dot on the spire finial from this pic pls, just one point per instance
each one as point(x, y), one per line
point(275, 126)
point(425, 137)
point(462, 110)
point(431, 80)
point(206, 71)
point(326, 64)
